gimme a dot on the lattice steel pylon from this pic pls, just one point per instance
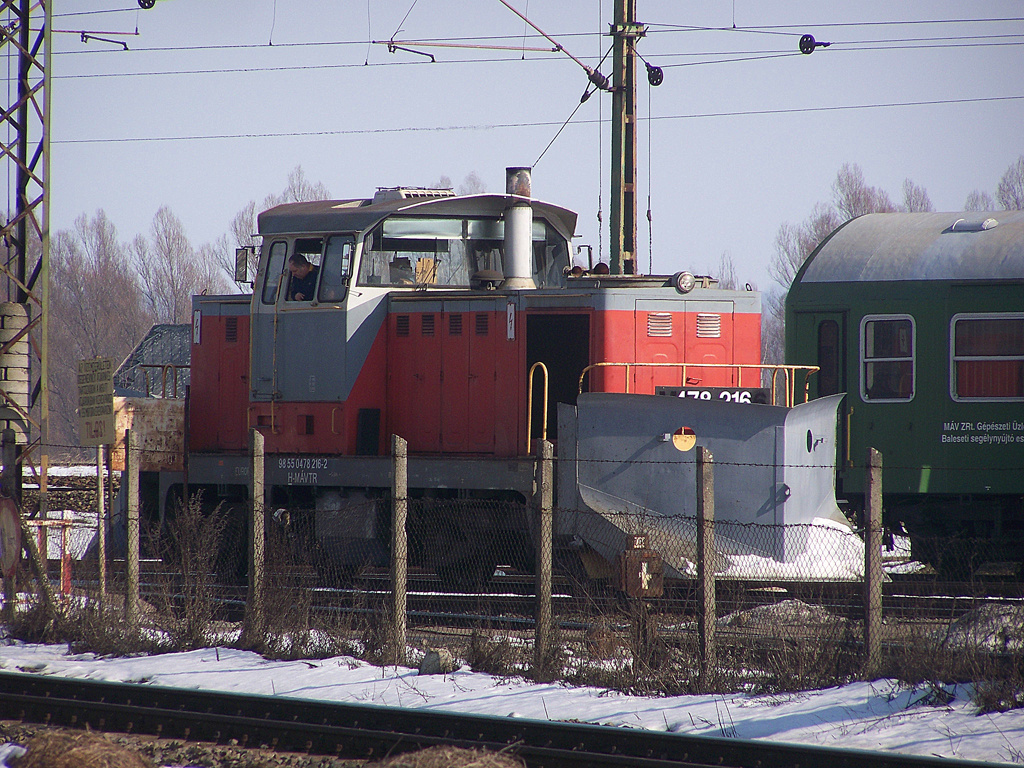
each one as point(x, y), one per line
point(24, 250)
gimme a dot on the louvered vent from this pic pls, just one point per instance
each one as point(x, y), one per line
point(454, 325)
point(659, 323)
point(481, 324)
point(231, 329)
point(709, 326)
point(427, 329)
point(402, 325)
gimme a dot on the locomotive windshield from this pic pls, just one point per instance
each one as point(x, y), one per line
point(327, 261)
point(453, 252)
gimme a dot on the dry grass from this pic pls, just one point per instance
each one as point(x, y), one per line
point(450, 757)
point(77, 750)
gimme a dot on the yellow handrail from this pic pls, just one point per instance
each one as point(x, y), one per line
point(789, 371)
point(529, 405)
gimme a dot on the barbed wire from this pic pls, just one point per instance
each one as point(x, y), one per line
point(613, 461)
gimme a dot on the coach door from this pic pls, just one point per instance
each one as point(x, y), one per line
point(821, 340)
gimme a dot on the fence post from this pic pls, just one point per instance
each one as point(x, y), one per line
point(399, 546)
point(706, 564)
point(873, 562)
point(8, 486)
point(132, 457)
point(255, 607)
point(545, 513)
point(101, 523)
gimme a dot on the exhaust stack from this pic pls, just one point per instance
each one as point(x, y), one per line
point(518, 231)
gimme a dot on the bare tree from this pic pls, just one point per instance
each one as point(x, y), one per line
point(793, 244)
point(979, 201)
point(727, 278)
point(472, 185)
point(300, 189)
point(95, 311)
point(1010, 192)
point(773, 335)
point(219, 254)
point(244, 226)
point(915, 198)
point(172, 270)
point(853, 197)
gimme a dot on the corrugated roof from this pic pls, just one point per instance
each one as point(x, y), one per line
point(357, 215)
point(920, 246)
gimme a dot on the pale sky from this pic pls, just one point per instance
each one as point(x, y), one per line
point(215, 103)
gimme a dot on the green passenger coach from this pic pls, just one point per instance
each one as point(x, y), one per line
point(919, 319)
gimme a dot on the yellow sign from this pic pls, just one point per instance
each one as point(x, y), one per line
point(96, 401)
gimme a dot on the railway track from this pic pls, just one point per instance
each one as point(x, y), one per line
point(370, 732)
point(508, 601)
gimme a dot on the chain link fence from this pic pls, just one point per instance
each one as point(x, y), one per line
point(746, 621)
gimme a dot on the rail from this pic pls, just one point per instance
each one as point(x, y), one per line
point(346, 730)
point(789, 371)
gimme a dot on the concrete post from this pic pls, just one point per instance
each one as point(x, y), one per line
point(399, 546)
point(255, 604)
point(873, 562)
point(8, 487)
point(706, 564)
point(133, 456)
point(545, 515)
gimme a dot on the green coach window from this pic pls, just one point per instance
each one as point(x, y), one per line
point(987, 356)
point(887, 358)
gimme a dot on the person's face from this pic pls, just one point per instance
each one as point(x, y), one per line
point(298, 270)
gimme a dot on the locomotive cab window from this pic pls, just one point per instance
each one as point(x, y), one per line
point(304, 268)
point(336, 268)
point(414, 251)
point(987, 357)
point(275, 268)
point(887, 362)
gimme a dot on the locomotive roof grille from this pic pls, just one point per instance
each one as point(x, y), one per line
point(383, 194)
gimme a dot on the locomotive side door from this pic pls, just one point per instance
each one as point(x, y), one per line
point(299, 343)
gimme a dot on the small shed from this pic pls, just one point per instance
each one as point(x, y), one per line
point(159, 365)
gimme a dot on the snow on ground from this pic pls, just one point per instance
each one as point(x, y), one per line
point(881, 715)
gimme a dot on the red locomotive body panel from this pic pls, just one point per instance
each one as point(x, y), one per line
point(219, 389)
point(328, 427)
point(453, 383)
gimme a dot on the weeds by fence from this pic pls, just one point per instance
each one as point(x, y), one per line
point(471, 590)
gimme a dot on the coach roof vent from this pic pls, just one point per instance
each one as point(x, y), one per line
point(386, 194)
point(977, 225)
